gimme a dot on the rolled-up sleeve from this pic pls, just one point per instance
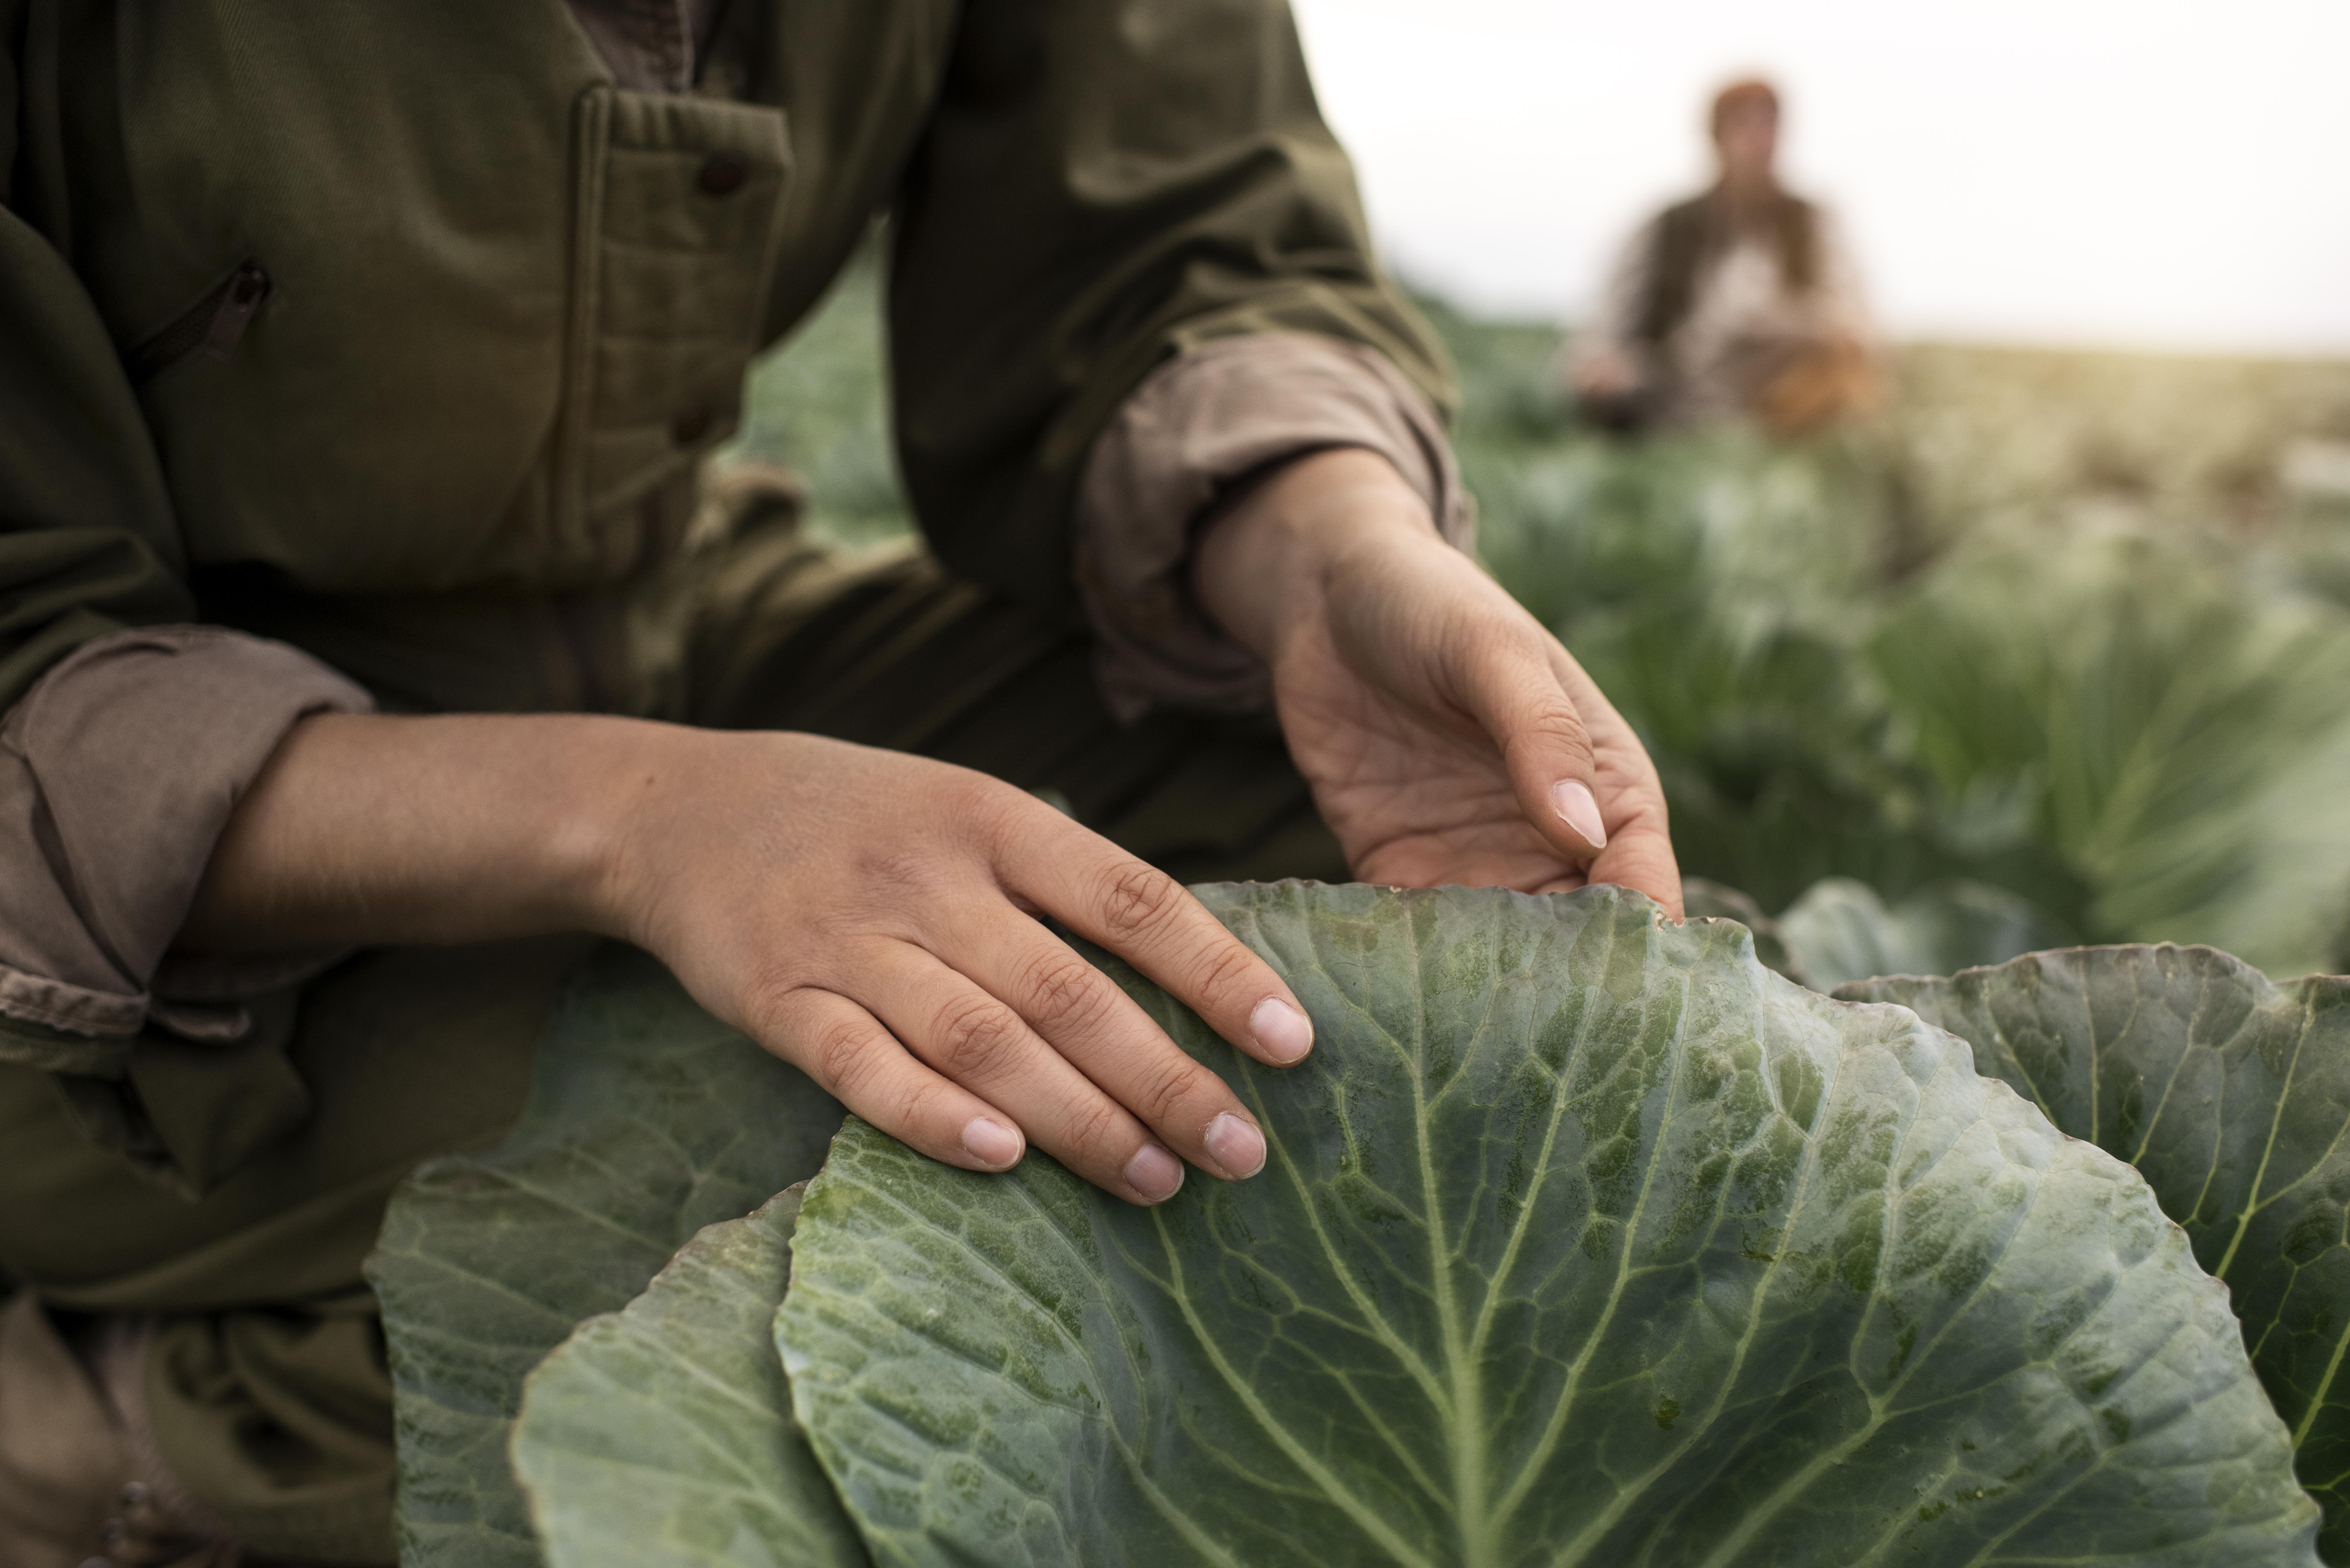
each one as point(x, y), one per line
point(118, 773)
point(126, 736)
point(1106, 186)
point(1202, 425)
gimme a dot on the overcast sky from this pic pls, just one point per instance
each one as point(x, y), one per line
point(2159, 173)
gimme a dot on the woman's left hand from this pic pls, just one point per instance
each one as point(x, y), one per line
point(1447, 736)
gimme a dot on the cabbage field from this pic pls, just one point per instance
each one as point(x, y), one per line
point(1935, 1208)
point(2060, 653)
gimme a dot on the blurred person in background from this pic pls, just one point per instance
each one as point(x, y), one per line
point(1738, 303)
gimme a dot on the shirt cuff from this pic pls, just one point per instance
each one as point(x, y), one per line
point(118, 769)
point(1203, 423)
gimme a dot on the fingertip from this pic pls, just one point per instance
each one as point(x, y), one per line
point(1236, 1146)
point(994, 1145)
point(1281, 1030)
point(1578, 808)
point(1153, 1175)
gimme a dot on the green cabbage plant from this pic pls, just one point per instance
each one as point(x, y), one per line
point(1586, 1238)
point(2232, 1097)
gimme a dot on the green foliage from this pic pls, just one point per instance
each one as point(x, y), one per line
point(1585, 1240)
point(2157, 713)
point(2231, 1095)
point(1943, 649)
point(1841, 931)
point(662, 1434)
point(2062, 624)
point(647, 1120)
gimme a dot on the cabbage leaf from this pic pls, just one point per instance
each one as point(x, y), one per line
point(647, 1120)
point(2231, 1095)
point(660, 1436)
point(1584, 1240)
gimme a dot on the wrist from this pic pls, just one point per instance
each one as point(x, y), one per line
point(1265, 564)
point(606, 853)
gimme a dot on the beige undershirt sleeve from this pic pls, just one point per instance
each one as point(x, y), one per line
point(118, 773)
point(1203, 423)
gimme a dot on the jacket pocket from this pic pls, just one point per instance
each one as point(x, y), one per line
point(214, 324)
point(679, 227)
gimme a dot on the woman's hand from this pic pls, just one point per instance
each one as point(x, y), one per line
point(867, 916)
point(870, 916)
point(1448, 737)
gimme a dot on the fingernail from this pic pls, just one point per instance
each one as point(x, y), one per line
point(1235, 1146)
point(1572, 800)
point(1154, 1174)
point(1281, 1031)
point(991, 1143)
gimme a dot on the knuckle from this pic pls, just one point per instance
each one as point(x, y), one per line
point(1558, 724)
point(1558, 717)
point(774, 1005)
point(1097, 1134)
point(979, 807)
point(842, 1054)
point(917, 1104)
point(1567, 724)
point(899, 873)
point(1136, 899)
point(1226, 967)
point(976, 1038)
point(1161, 1091)
point(1064, 992)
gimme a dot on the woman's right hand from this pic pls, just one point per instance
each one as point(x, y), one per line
point(869, 917)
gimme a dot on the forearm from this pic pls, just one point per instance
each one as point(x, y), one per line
point(367, 828)
point(869, 916)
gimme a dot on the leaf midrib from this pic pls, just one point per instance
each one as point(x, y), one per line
point(1468, 1425)
point(1529, 1471)
point(1630, 1491)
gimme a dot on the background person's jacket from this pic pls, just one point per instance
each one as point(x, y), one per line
point(1722, 323)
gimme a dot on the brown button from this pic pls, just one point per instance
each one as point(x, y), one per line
point(722, 173)
point(692, 425)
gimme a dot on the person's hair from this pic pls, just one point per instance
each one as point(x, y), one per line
point(1749, 93)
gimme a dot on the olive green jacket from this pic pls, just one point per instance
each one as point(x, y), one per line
point(385, 331)
point(509, 305)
